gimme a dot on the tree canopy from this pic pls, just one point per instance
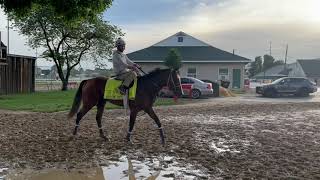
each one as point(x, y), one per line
point(66, 45)
point(69, 10)
point(268, 62)
point(256, 66)
point(173, 59)
point(260, 65)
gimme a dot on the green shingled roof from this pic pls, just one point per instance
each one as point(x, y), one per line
point(311, 67)
point(188, 53)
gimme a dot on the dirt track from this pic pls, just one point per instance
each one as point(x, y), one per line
point(236, 140)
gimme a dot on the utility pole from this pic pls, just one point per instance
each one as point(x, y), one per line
point(270, 52)
point(285, 58)
point(233, 51)
point(8, 37)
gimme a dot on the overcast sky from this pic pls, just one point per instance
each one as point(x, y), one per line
point(244, 25)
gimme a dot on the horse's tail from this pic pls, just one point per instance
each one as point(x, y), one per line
point(76, 101)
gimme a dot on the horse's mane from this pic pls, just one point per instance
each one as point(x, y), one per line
point(154, 72)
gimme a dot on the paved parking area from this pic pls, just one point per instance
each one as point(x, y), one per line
point(255, 98)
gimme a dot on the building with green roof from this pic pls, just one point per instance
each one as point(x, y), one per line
point(200, 60)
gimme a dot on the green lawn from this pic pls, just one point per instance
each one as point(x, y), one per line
point(54, 101)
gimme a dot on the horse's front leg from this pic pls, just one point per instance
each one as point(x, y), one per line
point(153, 115)
point(133, 116)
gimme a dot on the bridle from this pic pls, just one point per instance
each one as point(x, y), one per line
point(170, 80)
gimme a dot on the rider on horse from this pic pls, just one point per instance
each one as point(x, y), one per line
point(123, 67)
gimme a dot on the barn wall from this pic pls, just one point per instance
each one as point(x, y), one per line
point(207, 71)
point(18, 75)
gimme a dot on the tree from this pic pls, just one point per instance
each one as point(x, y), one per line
point(69, 10)
point(256, 66)
point(268, 62)
point(67, 44)
point(278, 62)
point(173, 59)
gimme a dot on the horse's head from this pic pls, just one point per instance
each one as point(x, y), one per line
point(174, 83)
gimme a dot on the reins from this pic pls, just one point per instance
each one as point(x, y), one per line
point(154, 83)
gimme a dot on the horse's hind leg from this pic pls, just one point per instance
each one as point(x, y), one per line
point(153, 115)
point(80, 115)
point(100, 109)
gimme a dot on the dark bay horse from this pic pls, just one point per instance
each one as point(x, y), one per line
point(91, 93)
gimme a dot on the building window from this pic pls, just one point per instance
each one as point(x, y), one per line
point(223, 74)
point(192, 72)
point(180, 39)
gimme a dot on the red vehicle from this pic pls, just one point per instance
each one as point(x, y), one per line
point(191, 87)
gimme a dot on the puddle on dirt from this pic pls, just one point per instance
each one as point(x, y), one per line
point(3, 172)
point(222, 146)
point(150, 169)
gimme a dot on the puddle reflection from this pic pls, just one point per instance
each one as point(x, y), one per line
point(124, 169)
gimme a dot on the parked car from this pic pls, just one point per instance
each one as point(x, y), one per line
point(288, 85)
point(207, 81)
point(191, 87)
point(215, 86)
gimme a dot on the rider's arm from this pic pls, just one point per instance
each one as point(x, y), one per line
point(129, 62)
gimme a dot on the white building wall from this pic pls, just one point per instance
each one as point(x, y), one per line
point(187, 41)
point(208, 71)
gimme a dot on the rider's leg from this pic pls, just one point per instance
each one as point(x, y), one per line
point(129, 77)
point(127, 80)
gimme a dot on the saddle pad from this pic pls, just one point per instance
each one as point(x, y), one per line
point(111, 91)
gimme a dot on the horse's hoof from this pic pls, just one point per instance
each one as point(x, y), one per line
point(105, 138)
point(130, 142)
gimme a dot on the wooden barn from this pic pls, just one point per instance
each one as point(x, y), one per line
point(17, 73)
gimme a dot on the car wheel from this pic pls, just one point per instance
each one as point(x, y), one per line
point(195, 94)
point(270, 93)
point(303, 92)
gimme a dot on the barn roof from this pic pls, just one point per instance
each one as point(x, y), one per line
point(311, 67)
point(190, 48)
point(188, 54)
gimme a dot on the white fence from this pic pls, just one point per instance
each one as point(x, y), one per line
point(53, 84)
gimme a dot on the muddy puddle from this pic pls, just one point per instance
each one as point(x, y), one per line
point(163, 168)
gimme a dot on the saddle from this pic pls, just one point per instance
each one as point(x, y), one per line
point(112, 93)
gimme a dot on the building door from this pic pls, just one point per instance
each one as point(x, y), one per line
point(236, 78)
